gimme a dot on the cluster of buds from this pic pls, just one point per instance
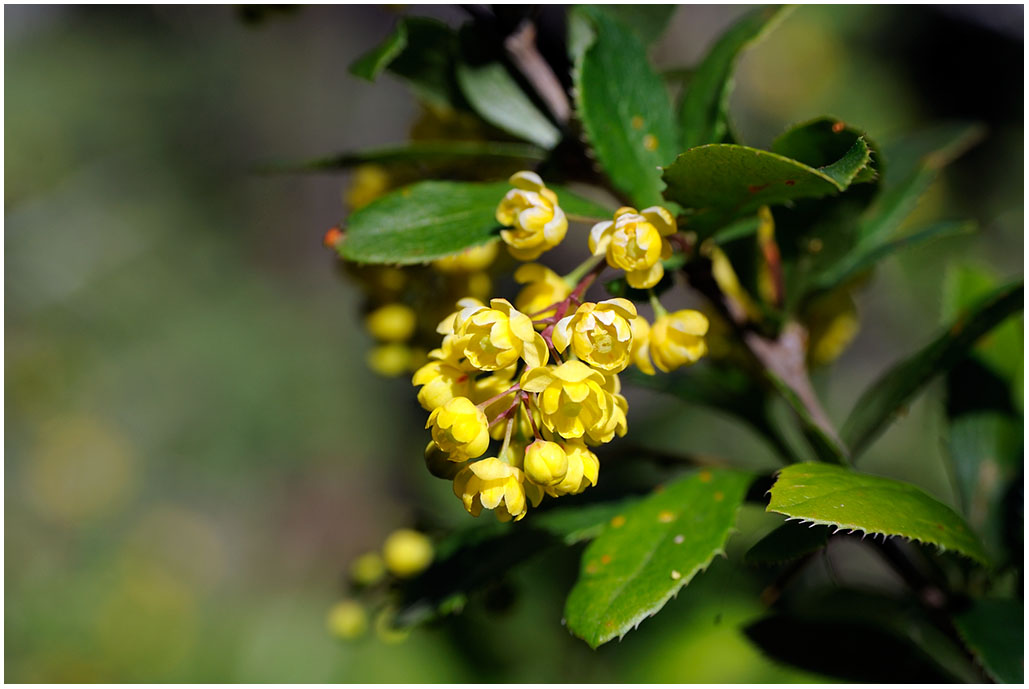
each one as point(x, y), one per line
point(540, 377)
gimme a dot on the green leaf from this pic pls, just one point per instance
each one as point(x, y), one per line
point(647, 22)
point(895, 387)
point(913, 166)
point(371, 64)
point(624, 108)
point(631, 570)
point(579, 522)
point(861, 259)
point(993, 630)
point(430, 220)
point(834, 496)
point(704, 110)
point(728, 181)
point(418, 153)
point(497, 97)
point(785, 543)
point(421, 51)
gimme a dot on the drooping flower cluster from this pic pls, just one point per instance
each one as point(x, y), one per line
point(540, 377)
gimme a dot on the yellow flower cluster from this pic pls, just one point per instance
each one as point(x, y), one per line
point(540, 377)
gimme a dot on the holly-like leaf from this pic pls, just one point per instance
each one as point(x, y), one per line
point(727, 181)
point(497, 97)
point(787, 542)
point(624, 108)
point(650, 551)
point(994, 631)
point(704, 110)
point(835, 496)
point(430, 220)
point(899, 384)
point(418, 153)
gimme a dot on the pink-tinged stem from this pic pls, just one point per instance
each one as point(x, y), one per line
point(491, 400)
point(528, 409)
point(506, 413)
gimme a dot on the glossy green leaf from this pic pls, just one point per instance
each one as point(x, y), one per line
point(430, 220)
point(624, 108)
point(835, 496)
point(994, 631)
point(371, 64)
point(863, 258)
point(704, 110)
point(418, 153)
point(730, 180)
point(787, 542)
point(497, 97)
point(422, 52)
point(893, 389)
point(631, 570)
point(578, 523)
point(822, 141)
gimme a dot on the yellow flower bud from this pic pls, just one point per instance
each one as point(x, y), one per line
point(367, 569)
point(460, 429)
point(470, 260)
point(543, 287)
point(677, 339)
point(389, 360)
point(832, 323)
point(573, 401)
point(407, 552)
point(347, 620)
point(635, 242)
point(498, 486)
point(530, 209)
point(439, 463)
point(545, 463)
point(641, 345)
point(583, 469)
point(495, 337)
point(392, 322)
point(599, 334)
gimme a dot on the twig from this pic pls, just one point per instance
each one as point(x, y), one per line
point(521, 48)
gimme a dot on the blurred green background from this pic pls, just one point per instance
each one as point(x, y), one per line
point(195, 449)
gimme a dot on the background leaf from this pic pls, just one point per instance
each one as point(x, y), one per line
point(994, 630)
point(429, 220)
point(418, 153)
point(895, 387)
point(704, 109)
point(787, 542)
point(631, 570)
point(728, 180)
point(371, 64)
point(624, 108)
point(498, 98)
point(831, 495)
point(647, 22)
point(579, 522)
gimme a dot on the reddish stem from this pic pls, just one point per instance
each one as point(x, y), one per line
point(528, 412)
point(491, 400)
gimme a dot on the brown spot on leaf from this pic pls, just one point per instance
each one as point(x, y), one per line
point(605, 559)
point(755, 188)
point(790, 182)
point(838, 127)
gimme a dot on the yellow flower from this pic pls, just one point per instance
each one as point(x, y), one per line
point(392, 322)
point(370, 181)
point(543, 287)
point(347, 620)
point(439, 463)
point(641, 345)
point(495, 485)
point(444, 378)
point(390, 360)
point(635, 242)
point(583, 469)
point(617, 423)
point(599, 334)
point(531, 210)
point(470, 260)
point(460, 429)
point(494, 338)
point(572, 400)
point(545, 463)
point(677, 339)
point(407, 552)
point(367, 569)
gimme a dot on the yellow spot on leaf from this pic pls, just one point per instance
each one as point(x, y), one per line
point(676, 575)
point(650, 142)
point(704, 476)
point(618, 522)
point(719, 496)
point(665, 516)
point(637, 122)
